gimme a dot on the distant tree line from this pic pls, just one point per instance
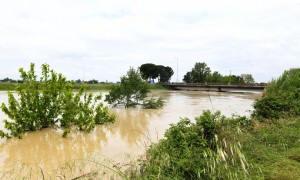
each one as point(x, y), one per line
point(93, 81)
point(151, 71)
point(201, 73)
point(10, 80)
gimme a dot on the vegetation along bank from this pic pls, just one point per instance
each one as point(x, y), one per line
point(264, 146)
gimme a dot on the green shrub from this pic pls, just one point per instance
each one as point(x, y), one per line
point(195, 151)
point(281, 98)
point(51, 102)
point(287, 82)
point(130, 91)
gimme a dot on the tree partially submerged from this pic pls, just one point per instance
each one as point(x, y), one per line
point(50, 102)
point(131, 91)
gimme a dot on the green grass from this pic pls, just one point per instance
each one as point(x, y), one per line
point(274, 149)
point(271, 150)
point(94, 87)
point(6, 86)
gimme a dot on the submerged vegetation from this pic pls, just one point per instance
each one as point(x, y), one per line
point(49, 102)
point(264, 146)
point(153, 103)
point(131, 91)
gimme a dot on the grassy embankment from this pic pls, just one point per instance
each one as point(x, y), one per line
point(271, 150)
point(90, 87)
point(265, 146)
point(4, 86)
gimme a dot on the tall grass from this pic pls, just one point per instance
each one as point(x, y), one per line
point(195, 151)
point(89, 168)
point(273, 149)
point(7, 86)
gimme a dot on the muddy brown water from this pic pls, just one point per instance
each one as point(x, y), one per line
point(133, 128)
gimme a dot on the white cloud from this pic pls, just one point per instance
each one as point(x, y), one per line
point(102, 39)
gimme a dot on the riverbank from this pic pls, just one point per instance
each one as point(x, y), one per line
point(273, 149)
point(267, 150)
point(7, 86)
point(264, 146)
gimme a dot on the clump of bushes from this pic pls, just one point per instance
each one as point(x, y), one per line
point(281, 98)
point(196, 150)
point(131, 91)
point(50, 101)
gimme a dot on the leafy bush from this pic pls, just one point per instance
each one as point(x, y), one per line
point(195, 151)
point(153, 103)
point(281, 98)
point(130, 91)
point(287, 82)
point(50, 102)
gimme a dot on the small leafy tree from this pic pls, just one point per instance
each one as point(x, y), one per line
point(130, 91)
point(50, 102)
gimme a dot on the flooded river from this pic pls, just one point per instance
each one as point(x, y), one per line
point(133, 127)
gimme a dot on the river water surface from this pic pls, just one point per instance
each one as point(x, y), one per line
point(133, 127)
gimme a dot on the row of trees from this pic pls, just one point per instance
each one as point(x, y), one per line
point(10, 80)
point(151, 71)
point(92, 81)
point(201, 73)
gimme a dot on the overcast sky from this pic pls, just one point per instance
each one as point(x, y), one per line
point(101, 39)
